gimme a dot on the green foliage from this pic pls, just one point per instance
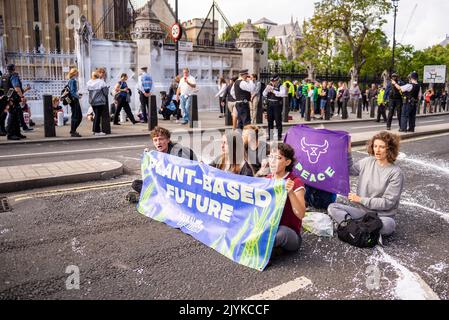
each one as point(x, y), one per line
point(234, 33)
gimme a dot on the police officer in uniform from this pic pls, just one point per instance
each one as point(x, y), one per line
point(145, 85)
point(12, 81)
point(395, 102)
point(275, 92)
point(411, 92)
point(242, 91)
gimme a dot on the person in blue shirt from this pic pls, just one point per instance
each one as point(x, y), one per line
point(77, 114)
point(12, 81)
point(122, 94)
point(145, 86)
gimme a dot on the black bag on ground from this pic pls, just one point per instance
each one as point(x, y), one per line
point(363, 233)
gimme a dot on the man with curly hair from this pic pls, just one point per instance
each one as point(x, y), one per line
point(380, 184)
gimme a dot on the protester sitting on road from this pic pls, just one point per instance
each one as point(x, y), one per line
point(380, 184)
point(233, 157)
point(282, 160)
point(161, 142)
point(257, 150)
point(57, 108)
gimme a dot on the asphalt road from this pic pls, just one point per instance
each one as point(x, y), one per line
point(123, 255)
point(129, 150)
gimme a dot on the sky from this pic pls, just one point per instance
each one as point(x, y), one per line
point(428, 25)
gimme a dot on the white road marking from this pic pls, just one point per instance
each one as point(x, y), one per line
point(444, 216)
point(384, 125)
point(410, 285)
point(283, 290)
point(72, 152)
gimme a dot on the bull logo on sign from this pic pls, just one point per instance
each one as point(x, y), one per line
point(314, 151)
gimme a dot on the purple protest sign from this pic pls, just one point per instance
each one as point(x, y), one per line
point(322, 157)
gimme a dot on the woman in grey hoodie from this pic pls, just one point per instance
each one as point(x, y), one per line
point(98, 94)
point(380, 184)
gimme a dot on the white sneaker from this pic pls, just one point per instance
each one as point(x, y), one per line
point(99, 134)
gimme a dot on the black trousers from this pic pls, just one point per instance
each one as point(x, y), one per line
point(13, 125)
point(122, 104)
point(3, 116)
point(381, 112)
point(222, 107)
point(144, 106)
point(243, 114)
point(395, 105)
point(77, 115)
point(408, 117)
point(98, 119)
point(340, 106)
point(274, 114)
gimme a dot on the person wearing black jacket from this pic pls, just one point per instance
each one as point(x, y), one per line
point(394, 102)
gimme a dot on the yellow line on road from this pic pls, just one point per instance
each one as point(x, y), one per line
point(51, 193)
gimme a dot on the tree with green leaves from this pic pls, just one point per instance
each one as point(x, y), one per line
point(233, 33)
point(353, 20)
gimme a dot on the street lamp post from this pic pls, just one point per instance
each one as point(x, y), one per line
point(176, 42)
point(395, 6)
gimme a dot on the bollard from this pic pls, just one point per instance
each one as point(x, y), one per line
point(259, 111)
point(193, 112)
point(373, 108)
point(285, 109)
point(49, 120)
point(418, 108)
point(308, 119)
point(425, 108)
point(439, 105)
point(327, 111)
point(228, 118)
point(359, 109)
point(344, 110)
point(152, 113)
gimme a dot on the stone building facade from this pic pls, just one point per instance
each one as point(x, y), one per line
point(48, 25)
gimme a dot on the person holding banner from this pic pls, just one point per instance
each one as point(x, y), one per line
point(282, 160)
point(162, 143)
point(275, 92)
point(233, 157)
point(380, 184)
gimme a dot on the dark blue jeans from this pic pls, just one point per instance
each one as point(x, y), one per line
point(319, 199)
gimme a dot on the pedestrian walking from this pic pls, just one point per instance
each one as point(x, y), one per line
point(222, 86)
point(77, 114)
point(255, 98)
point(13, 88)
point(231, 102)
point(123, 97)
point(98, 99)
point(355, 96)
point(394, 102)
point(186, 88)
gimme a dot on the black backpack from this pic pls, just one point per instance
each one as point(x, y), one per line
point(66, 97)
point(363, 233)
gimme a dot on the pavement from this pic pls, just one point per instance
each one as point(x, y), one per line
point(90, 232)
point(17, 178)
point(209, 121)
